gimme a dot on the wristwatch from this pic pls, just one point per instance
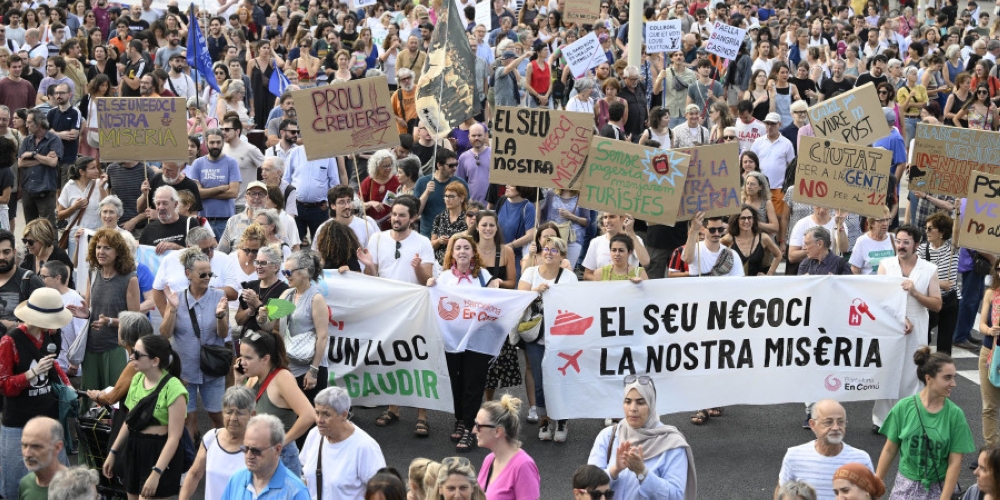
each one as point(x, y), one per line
point(642, 477)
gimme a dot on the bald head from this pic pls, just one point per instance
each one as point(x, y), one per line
point(826, 407)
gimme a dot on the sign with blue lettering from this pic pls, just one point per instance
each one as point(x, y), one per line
point(979, 228)
point(142, 128)
point(855, 117)
point(834, 174)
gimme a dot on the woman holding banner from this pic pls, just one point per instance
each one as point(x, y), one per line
point(644, 457)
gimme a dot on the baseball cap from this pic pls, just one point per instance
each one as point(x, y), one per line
point(257, 184)
point(772, 118)
point(509, 54)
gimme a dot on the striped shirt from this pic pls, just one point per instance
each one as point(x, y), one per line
point(804, 463)
point(946, 261)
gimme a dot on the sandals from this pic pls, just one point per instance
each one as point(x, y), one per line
point(466, 443)
point(421, 429)
point(700, 417)
point(715, 412)
point(386, 419)
point(459, 432)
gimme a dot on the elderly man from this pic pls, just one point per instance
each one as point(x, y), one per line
point(169, 229)
point(38, 52)
point(256, 200)
point(41, 442)
point(474, 164)
point(820, 260)
point(39, 158)
point(171, 271)
point(634, 94)
point(920, 282)
point(404, 101)
point(74, 483)
point(775, 153)
point(172, 174)
point(265, 477)
point(273, 172)
point(816, 461)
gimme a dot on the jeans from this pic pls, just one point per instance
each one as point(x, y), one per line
point(972, 294)
point(218, 227)
point(536, 352)
point(290, 457)
point(910, 126)
point(310, 218)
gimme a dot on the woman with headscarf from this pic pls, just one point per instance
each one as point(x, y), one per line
point(645, 458)
point(854, 480)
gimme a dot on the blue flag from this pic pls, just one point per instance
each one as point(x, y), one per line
point(278, 81)
point(197, 52)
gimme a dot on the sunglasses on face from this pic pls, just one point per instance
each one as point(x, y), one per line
point(207, 275)
point(257, 452)
point(27, 241)
point(136, 355)
point(288, 274)
point(715, 230)
point(598, 495)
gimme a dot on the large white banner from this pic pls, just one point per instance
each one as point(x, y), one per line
point(472, 318)
point(710, 342)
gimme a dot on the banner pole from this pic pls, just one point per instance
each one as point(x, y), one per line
point(364, 215)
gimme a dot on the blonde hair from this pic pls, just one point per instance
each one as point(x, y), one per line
point(254, 232)
point(504, 413)
point(460, 466)
point(417, 473)
point(429, 481)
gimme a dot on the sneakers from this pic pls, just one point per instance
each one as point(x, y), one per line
point(965, 344)
point(545, 431)
point(560, 434)
point(532, 415)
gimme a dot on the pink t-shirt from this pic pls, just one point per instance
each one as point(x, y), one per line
point(518, 481)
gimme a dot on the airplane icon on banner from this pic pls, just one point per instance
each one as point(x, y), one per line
point(571, 360)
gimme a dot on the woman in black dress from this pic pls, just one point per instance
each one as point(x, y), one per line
point(260, 69)
point(752, 244)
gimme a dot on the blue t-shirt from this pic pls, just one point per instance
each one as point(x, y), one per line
point(893, 142)
point(212, 174)
point(515, 219)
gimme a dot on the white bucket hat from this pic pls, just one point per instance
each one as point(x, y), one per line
point(44, 309)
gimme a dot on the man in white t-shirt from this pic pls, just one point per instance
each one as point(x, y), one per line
point(815, 462)
point(709, 257)
point(404, 255)
point(341, 202)
point(748, 128)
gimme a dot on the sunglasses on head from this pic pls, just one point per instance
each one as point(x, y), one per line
point(642, 379)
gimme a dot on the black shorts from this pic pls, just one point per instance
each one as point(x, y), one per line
point(141, 453)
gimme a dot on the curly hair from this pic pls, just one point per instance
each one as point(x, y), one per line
point(254, 232)
point(336, 244)
point(124, 261)
point(477, 259)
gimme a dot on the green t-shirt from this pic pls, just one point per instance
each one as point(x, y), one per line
point(947, 431)
point(29, 489)
point(170, 392)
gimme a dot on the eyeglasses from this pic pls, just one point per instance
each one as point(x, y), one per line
point(208, 251)
point(799, 112)
point(399, 245)
point(829, 422)
point(746, 218)
point(477, 426)
point(43, 276)
point(642, 379)
point(256, 194)
point(27, 241)
point(251, 250)
point(257, 452)
point(206, 275)
point(451, 197)
point(597, 495)
point(136, 355)
point(550, 250)
point(716, 230)
point(288, 274)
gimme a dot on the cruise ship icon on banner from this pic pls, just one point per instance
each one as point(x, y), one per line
point(570, 323)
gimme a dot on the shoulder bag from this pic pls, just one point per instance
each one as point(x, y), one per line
point(300, 348)
point(529, 329)
point(215, 360)
point(140, 416)
point(64, 239)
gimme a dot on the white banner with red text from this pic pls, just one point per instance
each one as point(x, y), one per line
point(709, 342)
point(388, 338)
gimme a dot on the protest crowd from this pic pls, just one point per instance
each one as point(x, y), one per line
point(156, 293)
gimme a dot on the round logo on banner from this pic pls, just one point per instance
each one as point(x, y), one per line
point(450, 312)
point(833, 385)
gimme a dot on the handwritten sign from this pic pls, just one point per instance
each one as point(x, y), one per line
point(834, 174)
point(539, 147)
point(584, 54)
point(483, 14)
point(623, 178)
point(945, 157)
point(725, 40)
point(713, 181)
point(663, 36)
point(345, 118)
point(979, 228)
point(855, 117)
point(582, 11)
point(142, 128)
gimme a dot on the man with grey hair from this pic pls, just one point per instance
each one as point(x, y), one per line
point(272, 171)
point(171, 174)
point(404, 101)
point(171, 271)
point(819, 260)
point(816, 461)
point(992, 51)
point(262, 445)
point(168, 230)
point(634, 93)
point(74, 483)
point(256, 200)
point(41, 442)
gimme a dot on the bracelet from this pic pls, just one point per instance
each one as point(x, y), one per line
point(112, 451)
point(220, 316)
point(157, 470)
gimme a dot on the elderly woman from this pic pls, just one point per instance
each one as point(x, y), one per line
point(133, 326)
point(797, 490)
point(199, 120)
point(938, 250)
point(538, 279)
point(856, 481)
point(266, 286)
point(873, 246)
point(40, 240)
point(690, 133)
point(263, 363)
point(205, 321)
point(307, 362)
point(79, 201)
point(271, 223)
point(110, 209)
point(339, 458)
point(23, 382)
point(746, 237)
point(644, 457)
point(152, 447)
point(452, 220)
point(455, 478)
point(281, 221)
point(508, 471)
point(583, 101)
point(221, 451)
point(378, 189)
point(233, 94)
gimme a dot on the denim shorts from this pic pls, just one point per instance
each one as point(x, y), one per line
point(211, 391)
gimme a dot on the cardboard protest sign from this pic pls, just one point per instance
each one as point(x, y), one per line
point(584, 54)
point(582, 11)
point(834, 174)
point(979, 228)
point(623, 178)
point(345, 118)
point(725, 40)
point(945, 157)
point(713, 181)
point(663, 36)
point(539, 147)
point(142, 128)
point(855, 117)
